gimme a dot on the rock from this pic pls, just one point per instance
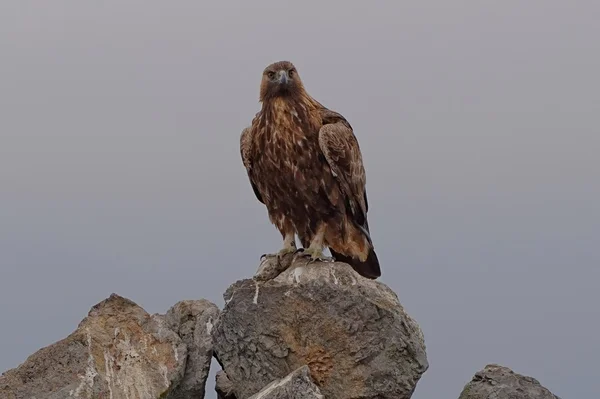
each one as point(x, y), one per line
point(193, 322)
point(271, 267)
point(297, 385)
point(118, 351)
point(223, 386)
point(499, 382)
point(352, 332)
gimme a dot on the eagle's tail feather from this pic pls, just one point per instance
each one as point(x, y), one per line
point(369, 268)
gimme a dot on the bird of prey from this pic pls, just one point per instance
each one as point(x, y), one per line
point(305, 165)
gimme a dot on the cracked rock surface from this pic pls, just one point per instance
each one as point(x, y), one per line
point(193, 322)
point(352, 333)
point(297, 385)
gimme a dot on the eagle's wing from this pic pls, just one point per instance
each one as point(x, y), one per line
point(342, 152)
point(246, 152)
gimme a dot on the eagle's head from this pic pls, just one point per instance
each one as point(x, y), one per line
point(280, 79)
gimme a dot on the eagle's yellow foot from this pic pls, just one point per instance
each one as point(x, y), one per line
point(314, 255)
point(286, 250)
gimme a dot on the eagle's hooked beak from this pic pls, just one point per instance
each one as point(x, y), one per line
point(282, 77)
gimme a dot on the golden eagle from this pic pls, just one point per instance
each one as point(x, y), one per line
point(304, 163)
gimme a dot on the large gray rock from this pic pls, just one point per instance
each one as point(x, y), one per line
point(118, 351)
point(297, 385)
point(499, 382)
point(352, 332)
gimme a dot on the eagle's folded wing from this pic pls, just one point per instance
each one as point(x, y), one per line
point(342, 152)
point(246, 152)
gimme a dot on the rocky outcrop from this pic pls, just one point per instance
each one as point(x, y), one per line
point(294, 331)
point(499, 382)
point(351, 332)
point(297, 385)
point(119, 351)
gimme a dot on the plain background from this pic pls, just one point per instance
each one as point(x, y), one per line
point(478, 121)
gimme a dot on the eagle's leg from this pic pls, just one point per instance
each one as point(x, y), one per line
point(289, 246)
point(315, 249)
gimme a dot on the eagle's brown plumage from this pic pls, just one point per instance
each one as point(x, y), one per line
point(305, 165)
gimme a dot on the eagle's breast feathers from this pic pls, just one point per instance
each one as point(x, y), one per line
point(307, 153)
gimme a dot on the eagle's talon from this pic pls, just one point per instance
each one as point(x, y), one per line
point(282, 253)
point(286, 251)
point(313, 255)
point(325, 259)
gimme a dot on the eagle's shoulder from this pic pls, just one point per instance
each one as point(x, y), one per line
point(329, 117)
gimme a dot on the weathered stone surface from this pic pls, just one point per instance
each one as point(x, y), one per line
point(223, 386)
point(352, 332)
point(193, 322)
point(118, 351)
point(297, 385)
point(271, 267)
point(499, 382)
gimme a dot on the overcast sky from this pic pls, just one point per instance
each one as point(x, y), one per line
point(478, 121)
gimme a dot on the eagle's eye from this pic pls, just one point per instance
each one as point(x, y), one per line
point(271, 74)
point(291, 72)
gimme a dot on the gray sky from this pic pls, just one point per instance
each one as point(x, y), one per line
point(478, 121)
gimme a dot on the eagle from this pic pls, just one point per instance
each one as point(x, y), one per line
point(305, 165)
